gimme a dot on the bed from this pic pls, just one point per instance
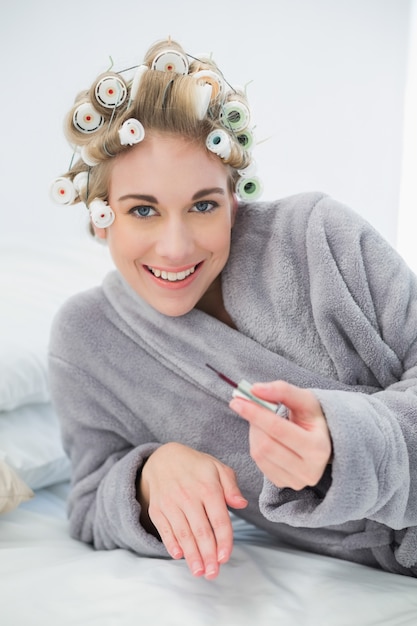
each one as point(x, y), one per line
point(48, 578)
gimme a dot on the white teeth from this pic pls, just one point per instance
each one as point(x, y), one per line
point(171, 276)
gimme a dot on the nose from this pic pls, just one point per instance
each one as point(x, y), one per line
point(175, 240)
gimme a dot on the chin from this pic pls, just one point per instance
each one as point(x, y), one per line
point(173, 310)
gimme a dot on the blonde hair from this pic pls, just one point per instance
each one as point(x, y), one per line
point(164, 102)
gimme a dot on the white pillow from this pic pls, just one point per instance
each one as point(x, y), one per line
point(36, 277)
point(30, 443)
point(23, 376)
point(13, 490)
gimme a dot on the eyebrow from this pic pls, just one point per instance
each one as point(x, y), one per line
point(207, 192)
point(147, 198)
point(139, 196)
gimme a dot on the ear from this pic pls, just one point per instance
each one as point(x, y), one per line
point(98, 232)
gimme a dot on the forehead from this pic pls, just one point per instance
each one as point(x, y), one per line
point(166, 158)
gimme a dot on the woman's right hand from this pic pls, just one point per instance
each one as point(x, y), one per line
point(185, 493)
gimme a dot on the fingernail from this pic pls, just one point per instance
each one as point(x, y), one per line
point(236, 404)
point(197, 569)
point(222, 556)
point(261, 386)
point(176, 554)
point(211, 570)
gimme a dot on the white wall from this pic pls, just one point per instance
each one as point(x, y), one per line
point(407, 218)
point(327, 92)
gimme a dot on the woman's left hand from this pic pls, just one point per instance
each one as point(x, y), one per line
point(291, 453)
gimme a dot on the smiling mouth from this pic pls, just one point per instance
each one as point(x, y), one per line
point(172, 277)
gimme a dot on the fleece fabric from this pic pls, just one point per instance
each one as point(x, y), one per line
point(318, 299)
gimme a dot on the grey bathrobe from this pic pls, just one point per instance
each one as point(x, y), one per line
point(320, 300)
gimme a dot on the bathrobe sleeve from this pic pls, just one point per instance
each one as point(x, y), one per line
point(364, 302)
point(96, 433)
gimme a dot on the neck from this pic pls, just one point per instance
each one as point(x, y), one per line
point(212, 303)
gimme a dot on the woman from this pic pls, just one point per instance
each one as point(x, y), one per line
point(301, 292)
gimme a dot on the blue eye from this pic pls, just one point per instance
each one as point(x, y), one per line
point(142, 211)
point(204, 206)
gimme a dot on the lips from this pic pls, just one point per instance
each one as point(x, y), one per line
point(172, 276)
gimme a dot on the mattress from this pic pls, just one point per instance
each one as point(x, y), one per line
point(47, 578)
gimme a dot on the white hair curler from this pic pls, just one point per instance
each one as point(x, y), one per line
point(235, 116)
point(170, 61)
point(140, 71)
point(101, 213)
point(131, 132)
point(208, 77)
point(80, 181)
point(246, 139)
point(219, 142)
point(63, 191)
point(249, 188)
point(202, 99)
point(110, 91)
point(86, 119)
point(249, 170)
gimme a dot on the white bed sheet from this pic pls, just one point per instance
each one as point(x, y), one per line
point(46, 579)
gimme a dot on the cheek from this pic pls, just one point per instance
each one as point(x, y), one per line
point(222, 237)
point(214, 239)
point(124, 242)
